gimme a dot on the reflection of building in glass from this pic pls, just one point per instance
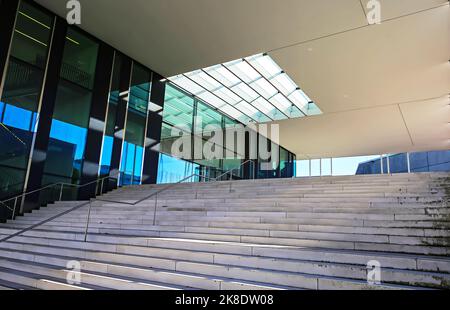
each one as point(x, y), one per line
point(420, 162)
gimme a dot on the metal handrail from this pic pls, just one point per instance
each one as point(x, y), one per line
point(62, 184)
point(231, 170)
point(155, 194)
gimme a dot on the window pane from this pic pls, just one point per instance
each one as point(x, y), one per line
point(178, 108)
point(69, 130)
point(108, 139)
point(21, 93)
point(80, 59)
point(135, 125)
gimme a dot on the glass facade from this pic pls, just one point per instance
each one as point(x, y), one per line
point(70, 121)
point(111, 117)
point(73, 109)
point(20, 98)
point(133, 146)
point(212, 142)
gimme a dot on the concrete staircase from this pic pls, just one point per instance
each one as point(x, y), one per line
point(309, 233)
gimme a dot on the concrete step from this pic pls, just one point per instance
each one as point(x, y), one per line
point(44, 269)
point(20, 280)
point(222, 267)
point(180, 226)
point(432, 238)
point(430, 246)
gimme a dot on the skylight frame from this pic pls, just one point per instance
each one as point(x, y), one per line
point(240, 87)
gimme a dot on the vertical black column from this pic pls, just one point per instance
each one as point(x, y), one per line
point(97, 118)
point(39, 153)
point(119, 131)
point(153, 135)
point(8, 10)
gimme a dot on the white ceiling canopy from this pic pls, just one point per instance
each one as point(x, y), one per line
point(254, 89)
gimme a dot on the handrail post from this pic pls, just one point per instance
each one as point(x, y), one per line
point(101, 188)
point(61, 192)
point(87, 222)
point(14, 209)
point(154, 211)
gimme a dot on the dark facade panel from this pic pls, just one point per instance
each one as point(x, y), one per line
point(153, 135)
point(97, 120)
point(39, 153)
point(121, 115)
point(8, 9)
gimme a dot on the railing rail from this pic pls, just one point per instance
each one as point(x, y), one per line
point(62, 185)
point(166, 188)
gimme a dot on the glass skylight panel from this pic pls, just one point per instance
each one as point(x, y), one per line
point(253, 89)
point(244, 71)
point(228, 96)
point(264, 88)
point(188, 85)
point(265, 65)
point(313, 109)
point(247, 109)
point(295, 112)
point(246, 92)
point(299, 100)
point(278, 116)
point(223, 75)
point(284, 83)
point(204, 80)
point(212, 99)
point(281, 102)
point(233, 112)
point(264, 106)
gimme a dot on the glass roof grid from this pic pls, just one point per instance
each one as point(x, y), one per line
point(260, 78)
point(265, 65)
point(243, 71)
point(305, 95)
point(266, 79)
point(264, 106)
point(248, 90)
point(264, 88)
point(245, 92)
point(300, 101)
point(185, 83)
point(284, 83)
point(279, 116)
point(247, 109)
point(255, 84)
point(224, 76)
point(205, 81)
point(228, 96)
point(212, 100)
point(313, 109)
point(281, 102)
point(233, 112)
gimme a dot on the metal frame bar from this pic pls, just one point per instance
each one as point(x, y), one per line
point(271, 83)
point(207, 91)
point(249, 85)
point(234, 92)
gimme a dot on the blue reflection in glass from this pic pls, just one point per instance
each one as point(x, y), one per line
point(172, 170)
point(105, 162)
point(131, 164)
point(129, 158)
point(17, 117)
point(71, 134)
point(2, 105)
